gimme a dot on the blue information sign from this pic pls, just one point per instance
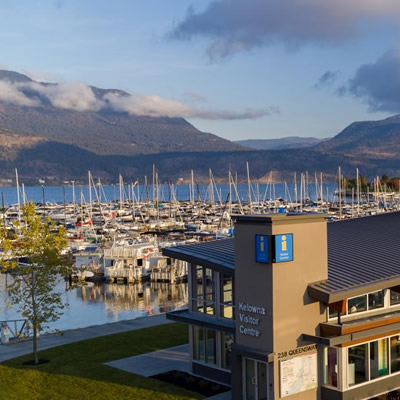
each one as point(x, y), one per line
point(284, 247)
point(262, 249)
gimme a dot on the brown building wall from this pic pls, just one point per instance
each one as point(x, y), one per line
point(280, 288)
point(294, 312)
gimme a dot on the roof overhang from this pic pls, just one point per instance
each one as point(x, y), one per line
point(209, 262)
point(316, 292)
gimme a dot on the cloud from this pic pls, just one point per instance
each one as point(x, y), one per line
point(70, 96)
point(378, 84)
point(156, 106)
point(235, 26)
point(153, 106)
point(10, 94)
point(326, 79)
point(81, 97)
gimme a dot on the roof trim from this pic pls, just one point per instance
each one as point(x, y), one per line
point(206, 262)
point(331, 297)
point(283, 218)
point(197, 319)
point(351, 337)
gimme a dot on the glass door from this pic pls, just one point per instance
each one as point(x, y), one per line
point(255, 380)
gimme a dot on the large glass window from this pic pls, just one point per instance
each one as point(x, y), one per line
point(227, 341)
point(330, 366)
point(357, 365)
point(211, 348)
point(367, 361)
point(227, 296)
point(204, 345)
point(203, 289)
point(198, 344)
point(395, 353)
point(378, 358)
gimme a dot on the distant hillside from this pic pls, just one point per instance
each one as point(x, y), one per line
point(380, 139)
point(56, 162)
point(290, 142)
point(56, 144)
point(106, 131)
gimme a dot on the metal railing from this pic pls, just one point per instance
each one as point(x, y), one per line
point(19, 328)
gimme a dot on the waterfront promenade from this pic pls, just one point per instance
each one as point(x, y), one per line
point(14, 350)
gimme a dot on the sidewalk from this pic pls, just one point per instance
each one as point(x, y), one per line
point(14, 350)
point(156, 362)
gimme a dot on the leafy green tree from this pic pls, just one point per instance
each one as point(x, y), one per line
point(44, 245)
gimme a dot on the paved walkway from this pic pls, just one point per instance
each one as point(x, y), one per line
point(75, 335)
point(222, 396)
point(156, 362)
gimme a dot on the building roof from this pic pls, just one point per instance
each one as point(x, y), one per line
point(363, 256)
point(216, 254)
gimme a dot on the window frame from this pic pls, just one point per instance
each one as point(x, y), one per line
point(368, 358)
point(386, 305)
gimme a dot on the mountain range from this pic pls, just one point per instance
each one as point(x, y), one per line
point(49, 134)
point(290, 142)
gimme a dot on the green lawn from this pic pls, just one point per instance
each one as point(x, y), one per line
point(76, 371)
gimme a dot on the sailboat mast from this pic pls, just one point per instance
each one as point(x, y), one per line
point(18, 199)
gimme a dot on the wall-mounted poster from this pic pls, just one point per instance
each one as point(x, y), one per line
point(298, 374)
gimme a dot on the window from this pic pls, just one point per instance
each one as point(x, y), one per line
point(211, 347)
point(204, 345)
point(368, 361)
point(357, 365)
point(227, 296)
point(209, 289)
point(378, 358)
point(395, 354)
point(227, 341)
point(372, 301)
point(330, 366)
point(357, 304)
point(394, 298)
point(375, 300)
point(203, 289)
point(198, 344)
point(332, 313)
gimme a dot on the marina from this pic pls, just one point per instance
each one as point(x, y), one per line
point(117, 234)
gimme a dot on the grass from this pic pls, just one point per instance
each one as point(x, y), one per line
point(76, 371)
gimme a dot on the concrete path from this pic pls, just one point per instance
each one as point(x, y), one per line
point(14, 350)
point(156, 362)
point(222, 396)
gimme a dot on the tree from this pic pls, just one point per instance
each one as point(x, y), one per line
point(44, 247)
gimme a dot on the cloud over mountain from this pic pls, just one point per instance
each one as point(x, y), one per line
point(234, 26)
point(81, 97)
point(378, 84)
point(9, 93)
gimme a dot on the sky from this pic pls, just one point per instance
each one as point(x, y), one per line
point(241, 69)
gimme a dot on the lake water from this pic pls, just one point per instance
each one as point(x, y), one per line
point(104, 303)
point(67, 193)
